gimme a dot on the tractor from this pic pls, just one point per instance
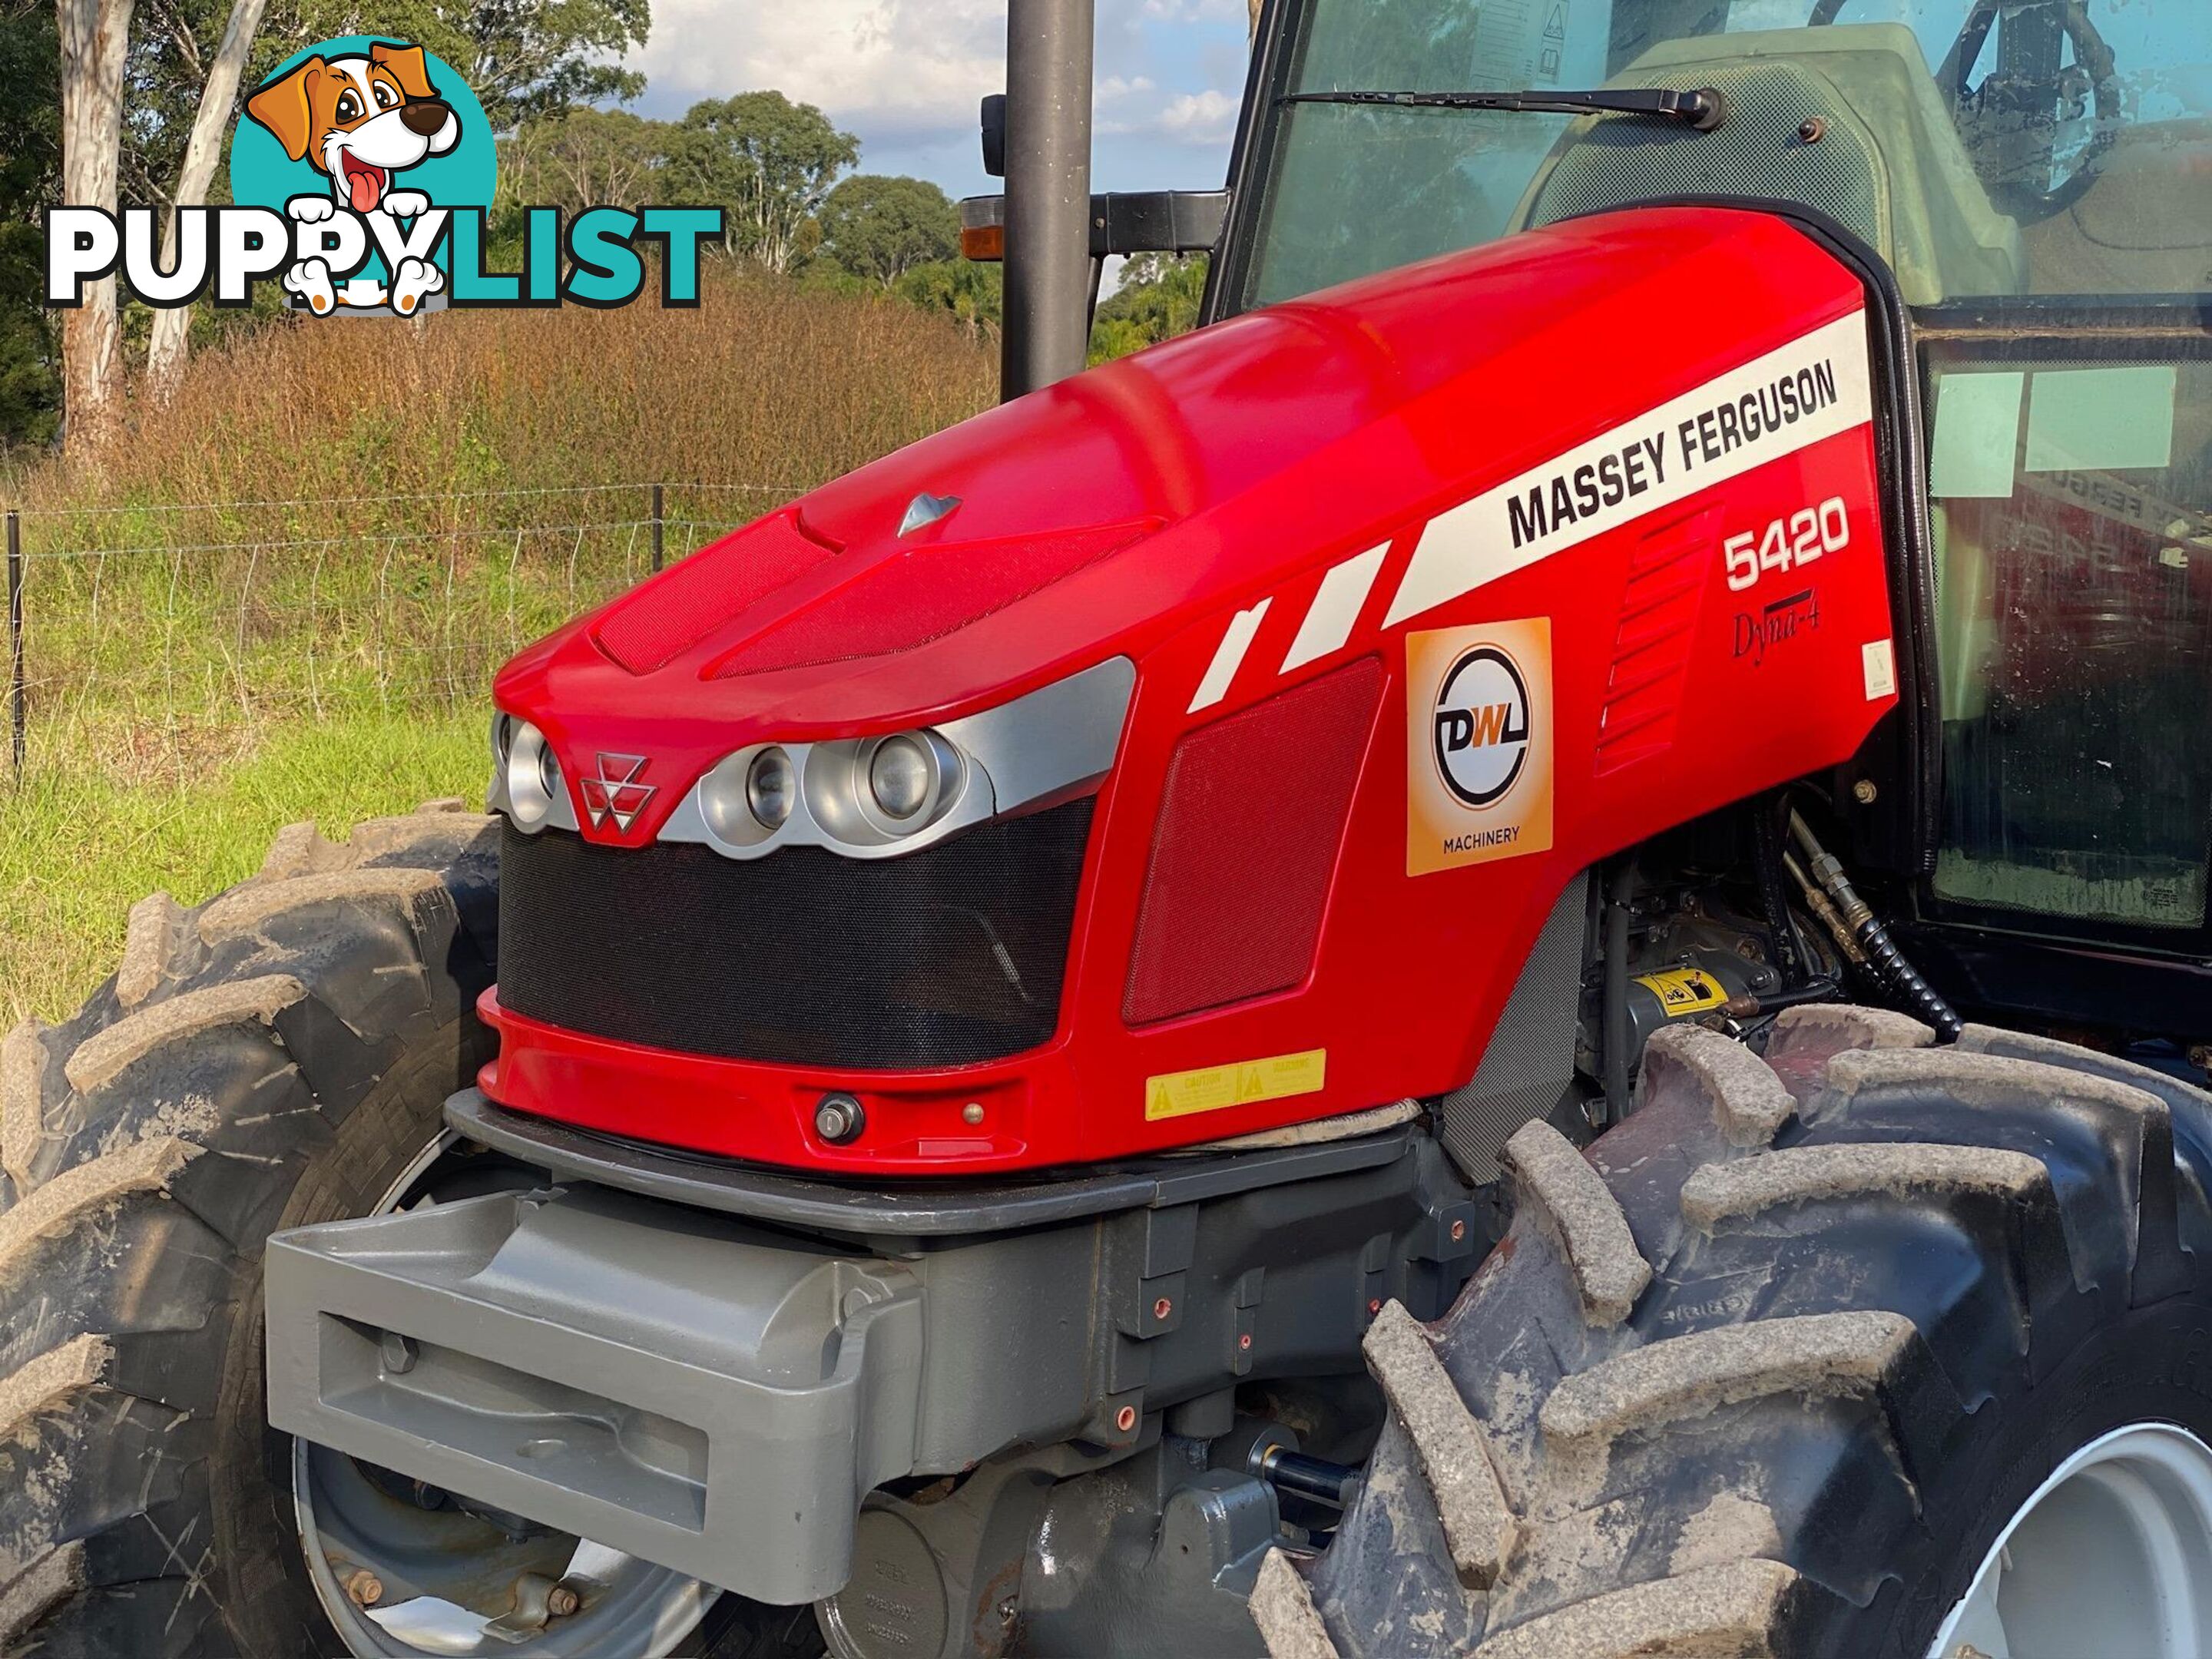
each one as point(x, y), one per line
point(1507, 957)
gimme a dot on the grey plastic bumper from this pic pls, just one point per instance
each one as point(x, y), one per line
point(679, 1387)
point(713, 1383)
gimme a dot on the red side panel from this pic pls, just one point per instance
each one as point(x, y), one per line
point(1250, 822)
point(1452, 582)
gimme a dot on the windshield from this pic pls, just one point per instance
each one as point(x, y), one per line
point(1984, 146)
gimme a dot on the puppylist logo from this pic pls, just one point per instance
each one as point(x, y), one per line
point(362, 171)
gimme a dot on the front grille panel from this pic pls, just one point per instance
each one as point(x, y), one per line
point(948, 957)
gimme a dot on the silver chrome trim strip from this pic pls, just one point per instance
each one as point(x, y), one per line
point(1059, 739)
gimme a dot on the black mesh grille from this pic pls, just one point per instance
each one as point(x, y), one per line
point(947, 957)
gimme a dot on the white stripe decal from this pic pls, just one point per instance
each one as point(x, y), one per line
point(1228, 655)
point(1811, 389)
point(1335, 608)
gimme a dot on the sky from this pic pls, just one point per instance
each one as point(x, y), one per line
point(906, 75)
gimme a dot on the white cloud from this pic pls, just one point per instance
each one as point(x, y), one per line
point(895, 70)
point(1196, 11)
point(1201, 117)
point(906, 75)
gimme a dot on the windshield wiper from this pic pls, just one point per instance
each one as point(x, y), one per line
point(1701, 110)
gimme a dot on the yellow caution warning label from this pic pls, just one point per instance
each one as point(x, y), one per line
point(1684, 990)
point(1212, 1088)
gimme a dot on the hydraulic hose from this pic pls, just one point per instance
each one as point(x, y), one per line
point(1767, 844)
point(1883, 958)
point(1622, 890)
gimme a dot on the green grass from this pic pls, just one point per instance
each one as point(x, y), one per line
point(284, 595)
point(186, 704)
point(80, 844)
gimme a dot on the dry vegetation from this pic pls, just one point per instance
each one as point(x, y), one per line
point(764, 377)
point(219, 641)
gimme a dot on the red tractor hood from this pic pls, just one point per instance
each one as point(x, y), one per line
point(1101, 515)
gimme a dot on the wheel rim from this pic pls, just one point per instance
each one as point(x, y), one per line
point(2112, 1555)
point(459, 1580)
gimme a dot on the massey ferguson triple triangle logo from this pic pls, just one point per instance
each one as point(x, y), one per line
point(616, 793)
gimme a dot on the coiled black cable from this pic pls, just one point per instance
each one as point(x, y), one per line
point(1883, 958)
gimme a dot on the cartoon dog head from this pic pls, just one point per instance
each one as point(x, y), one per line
point(359, 118)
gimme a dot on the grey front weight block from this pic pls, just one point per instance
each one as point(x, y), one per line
point(710, 1367)
point(682, 1387)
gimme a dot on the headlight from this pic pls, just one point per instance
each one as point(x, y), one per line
point(899, 777)
point(771, 787)
point(885, 796)
point(533, 775)
point(748, 796)
point(903, 780)
point(880, 792)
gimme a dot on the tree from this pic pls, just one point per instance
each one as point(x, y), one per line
point(1158, 299)
point(95, 35)
point(30, 165)
point(582, 159)
point(524, 59)
point(218, 100)
point(768, 162)
point(972, 292)
point(880, 227)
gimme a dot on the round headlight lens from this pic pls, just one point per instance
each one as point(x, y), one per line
point(902, 777)
point(533, 775)
point(771, 788)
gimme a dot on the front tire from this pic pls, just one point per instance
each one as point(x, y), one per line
point(1773, 1367)
point(274, 1058)
point(278, 1057)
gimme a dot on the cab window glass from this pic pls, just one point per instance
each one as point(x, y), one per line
point(2017, 146)
point(2073, 518)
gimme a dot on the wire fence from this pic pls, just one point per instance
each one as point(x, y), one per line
point(169, 624)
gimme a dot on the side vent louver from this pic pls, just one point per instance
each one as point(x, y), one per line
point(1667, 576)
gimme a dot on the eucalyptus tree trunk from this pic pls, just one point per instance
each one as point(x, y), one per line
point(165, 355)
point(93, 37)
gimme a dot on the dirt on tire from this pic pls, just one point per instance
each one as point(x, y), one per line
point(274, 1057)
point(1765, 1370)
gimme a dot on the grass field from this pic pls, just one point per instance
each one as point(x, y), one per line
point(79, 846)
point(283, 597)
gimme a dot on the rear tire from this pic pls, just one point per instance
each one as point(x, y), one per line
point(1771, 1368)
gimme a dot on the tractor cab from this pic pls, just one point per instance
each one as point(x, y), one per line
point(2033, 183)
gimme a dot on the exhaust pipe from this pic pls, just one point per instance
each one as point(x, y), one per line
point(1046, 334)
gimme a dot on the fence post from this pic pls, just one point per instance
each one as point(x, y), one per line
point(16, 637)
point(659, 520)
